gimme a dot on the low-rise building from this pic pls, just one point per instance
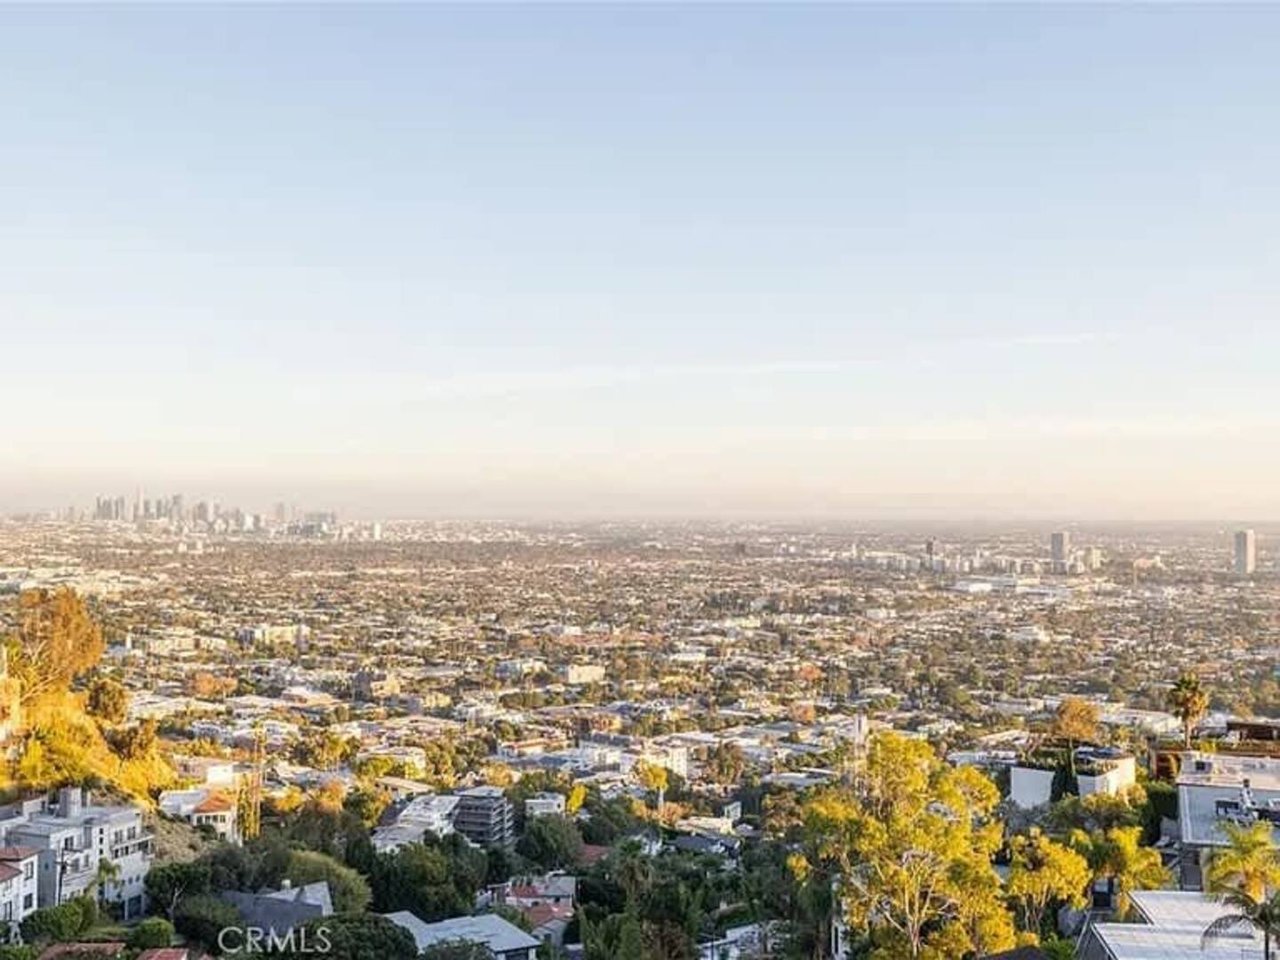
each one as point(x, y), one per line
point(204, 807)
point(1217, 789)
point(504, 939)
point(544, 804)
point(428, 813)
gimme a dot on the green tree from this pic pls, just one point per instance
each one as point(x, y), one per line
point(203, 916)
point(1248, 864)
point(349, 890)
point(457, 950)
point(108, 872)
point(356, 936)
point(108, 700)
point(1042, 872)
point(1118, 856)
point(420, 879)
point(1189, 702)
point(552, 842)
point(151, 933)
point(1246, 914)
point(60, 923)
point(169, 884)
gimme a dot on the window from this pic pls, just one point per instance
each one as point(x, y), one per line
point(28, 870)
point(28, 901)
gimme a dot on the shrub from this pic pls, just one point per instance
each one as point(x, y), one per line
point(151, 932)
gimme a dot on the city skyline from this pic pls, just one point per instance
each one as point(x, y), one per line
point(749, 262)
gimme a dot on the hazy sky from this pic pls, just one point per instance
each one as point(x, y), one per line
point(601, 259)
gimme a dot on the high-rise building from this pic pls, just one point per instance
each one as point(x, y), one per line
point(1246, 560)
point(1060, 547)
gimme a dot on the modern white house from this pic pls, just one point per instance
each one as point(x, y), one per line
point(427, 813)
point(1214, 790)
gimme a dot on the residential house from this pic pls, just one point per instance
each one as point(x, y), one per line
point(204, 807)
point(504, 939)
point(279, 911)
point(19, 885)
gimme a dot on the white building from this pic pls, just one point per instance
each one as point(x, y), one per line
point(73, 837)
point(580, 673)
point(19, 885)
point(1217, 789)
point(1170, 924)
point(543, 805)
point(428, 813)
point(204, 807)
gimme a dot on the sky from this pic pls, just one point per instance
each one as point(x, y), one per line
point(607, 260)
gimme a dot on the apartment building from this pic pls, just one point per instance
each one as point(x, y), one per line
point(485, 817)
point(73, 837)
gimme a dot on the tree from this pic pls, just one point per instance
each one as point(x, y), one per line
point(169, 884)
point(151, 933)
point(203, 917)
point(457, 950)
point(1117, 855)
point(108, 872)
point(349, 890)
point(574, 801)
point(57, 640)
point(552, 842)
point(64, 922)
point(911, 852)
point(1261, 916)
point(1248, 864)
point(652, 777)
point(108, 700)
point(356, 936)
point(726, 764)
point(420, 879)
point(1075, 722)
point(1189, 703)
point(1042, 872)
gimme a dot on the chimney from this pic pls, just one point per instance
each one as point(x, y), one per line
point(69, 802)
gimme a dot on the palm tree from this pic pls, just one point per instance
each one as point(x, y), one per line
point(1131, 866)
point(1117, 855)
point(1261, 916)
point(1248, 864)
point(1189, 703)
point(108, 872)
